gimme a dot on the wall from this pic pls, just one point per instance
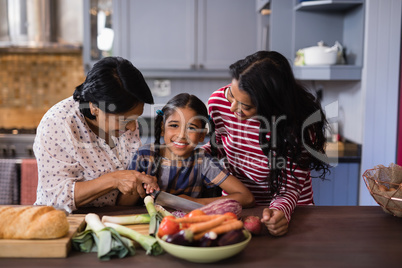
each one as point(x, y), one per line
point(346, 95)
point(380, 86)
point(30, 83)
point(202, 88)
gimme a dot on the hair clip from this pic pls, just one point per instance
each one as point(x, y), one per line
point(209, 118)
point(159, 112)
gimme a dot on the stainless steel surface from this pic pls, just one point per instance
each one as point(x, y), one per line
point(31, 22)
point(175, 202)
point(16, 146)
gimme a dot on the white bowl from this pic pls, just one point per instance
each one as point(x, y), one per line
point(204, 254)
point(320, 55)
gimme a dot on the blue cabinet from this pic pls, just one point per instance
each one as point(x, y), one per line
point(340, 187)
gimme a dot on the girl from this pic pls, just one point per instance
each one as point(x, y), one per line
point(180, 167)
point(271, 131)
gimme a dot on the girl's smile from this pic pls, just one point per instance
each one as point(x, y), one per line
point(182, 131)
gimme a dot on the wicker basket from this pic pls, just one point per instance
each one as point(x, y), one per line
point(385, 186)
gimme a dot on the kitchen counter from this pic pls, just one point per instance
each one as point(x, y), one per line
point(319, 236)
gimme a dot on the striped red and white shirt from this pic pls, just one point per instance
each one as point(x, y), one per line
point(237, 140)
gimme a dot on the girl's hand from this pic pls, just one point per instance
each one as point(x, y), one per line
point(150, 187)
point(131, 182)
point(275, 221)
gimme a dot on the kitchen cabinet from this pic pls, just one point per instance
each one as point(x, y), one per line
point(308, 22)
point(182, 38)
point(340, 187)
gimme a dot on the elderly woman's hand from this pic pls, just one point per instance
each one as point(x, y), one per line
point(132, 182)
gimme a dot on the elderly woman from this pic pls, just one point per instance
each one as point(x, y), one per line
point(84, 143)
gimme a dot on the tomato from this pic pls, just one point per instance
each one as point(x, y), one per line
point(168, 226)
point(231, 215)
point(195, 212)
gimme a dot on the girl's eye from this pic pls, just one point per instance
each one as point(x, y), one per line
point(173, 125)
point(192, 129)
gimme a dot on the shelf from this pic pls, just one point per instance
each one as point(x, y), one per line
point(328, 72)
point(328, 5)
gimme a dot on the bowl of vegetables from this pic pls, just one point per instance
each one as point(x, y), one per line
point(205, 254)
point(202, 238)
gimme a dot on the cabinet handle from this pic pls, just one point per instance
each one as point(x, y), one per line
point(201, 66)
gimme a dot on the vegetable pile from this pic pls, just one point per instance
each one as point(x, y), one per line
point(201, 230)
point(215, 224)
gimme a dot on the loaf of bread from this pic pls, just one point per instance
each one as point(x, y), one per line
point(32, 222)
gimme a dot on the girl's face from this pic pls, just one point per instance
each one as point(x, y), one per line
point(241, 105)
point(182, 131)
point(117, 124)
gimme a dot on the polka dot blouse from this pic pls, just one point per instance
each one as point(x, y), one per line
point(67, 151)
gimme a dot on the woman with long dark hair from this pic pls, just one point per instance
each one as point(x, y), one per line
point(271, 131)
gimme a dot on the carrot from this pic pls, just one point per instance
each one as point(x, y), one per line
point(231, 225)
point(226, 226)
point(196, 219)
point(202, 226)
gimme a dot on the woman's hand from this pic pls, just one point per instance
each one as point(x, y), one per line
point(128, 182)
point(275, 221)
point(133, 182)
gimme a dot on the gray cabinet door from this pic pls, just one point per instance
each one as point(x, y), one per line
point(184, 34)
point(227, 31)
point(156, 34)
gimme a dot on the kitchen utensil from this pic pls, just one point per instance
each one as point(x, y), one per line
point(204, 254)
point(173, 201)
point(320, 54)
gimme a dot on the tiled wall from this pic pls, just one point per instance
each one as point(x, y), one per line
point(30, 83)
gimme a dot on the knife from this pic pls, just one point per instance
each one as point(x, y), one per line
point(174, 201)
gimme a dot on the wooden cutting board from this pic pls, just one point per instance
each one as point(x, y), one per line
point(51, 248)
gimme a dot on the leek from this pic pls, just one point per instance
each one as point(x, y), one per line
point(156, 217)
point(126, 220)
point(147, 242)
point(104, 236)
point(162, 210)
point(105, 240)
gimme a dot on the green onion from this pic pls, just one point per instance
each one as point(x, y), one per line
point(126, 220)
point(156, 217)
point(147, 242)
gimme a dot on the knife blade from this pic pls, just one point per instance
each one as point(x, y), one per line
point(173, 201)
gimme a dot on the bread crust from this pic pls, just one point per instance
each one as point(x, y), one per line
point(32, 222)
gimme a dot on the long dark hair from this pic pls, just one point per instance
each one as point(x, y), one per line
point(182, 100)
point(114, 85)
point(268, 79)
